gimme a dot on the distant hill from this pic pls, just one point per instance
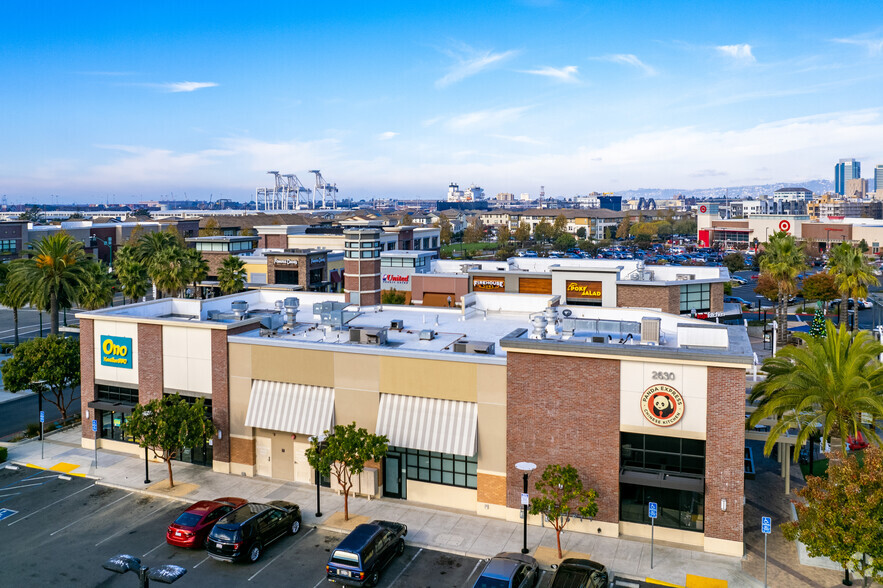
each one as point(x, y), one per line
point(734, 192)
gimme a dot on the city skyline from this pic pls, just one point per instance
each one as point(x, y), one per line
point(399, 100)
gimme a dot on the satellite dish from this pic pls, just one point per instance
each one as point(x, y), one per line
point(567, 312)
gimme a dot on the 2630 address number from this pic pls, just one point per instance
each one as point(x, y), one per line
point(665, 376)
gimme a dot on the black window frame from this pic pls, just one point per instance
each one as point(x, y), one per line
point(107, 393)
point(636, 448)
point(446, 469)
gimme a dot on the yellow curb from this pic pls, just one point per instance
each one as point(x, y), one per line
point(703, 582)
point(36, 467)
point(64, 467)
point(661, 583)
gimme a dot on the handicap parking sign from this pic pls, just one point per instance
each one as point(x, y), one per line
point(42, 416)
point(766, 524)
point(94, 425)
point(652, 510)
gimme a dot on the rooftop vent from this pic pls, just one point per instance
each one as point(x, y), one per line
point(290, 305)
point(396, 325)
point(539, 323)
point(213, 314)
point(427, 335)
point(480, 347)
point(239, 308)
point(272, 321)
point(685, 277)
point(651, 329)
point(368, 336)
point(332, 314)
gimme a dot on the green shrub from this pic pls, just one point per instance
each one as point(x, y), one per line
point(2, 454)
point(32, 430)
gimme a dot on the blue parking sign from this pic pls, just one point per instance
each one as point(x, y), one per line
point(42, 416)
point(652, 510)
point(766, 525)
point(94, 425)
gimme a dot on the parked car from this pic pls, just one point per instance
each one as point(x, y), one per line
point(509, 570)
point(738, 279)
point(862, 304)
point(359, 559)
point(244, 533)
point(193, 525)
point(580, 573)
point(736, 299)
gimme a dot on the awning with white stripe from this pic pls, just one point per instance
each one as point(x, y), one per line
point(430, 424)
point(294, 408)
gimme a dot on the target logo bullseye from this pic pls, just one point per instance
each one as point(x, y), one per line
point(784, 226)
point(703, 209)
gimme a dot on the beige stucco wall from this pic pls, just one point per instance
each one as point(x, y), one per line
point(187, 359)
point(690, 380)
point(440, 495)
point(116, 374)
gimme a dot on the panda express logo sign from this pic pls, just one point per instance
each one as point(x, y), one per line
point(662, 405)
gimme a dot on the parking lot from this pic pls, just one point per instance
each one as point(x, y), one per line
point(59, 530)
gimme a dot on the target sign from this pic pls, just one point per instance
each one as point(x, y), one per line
point(703, 209)
point(784, 226)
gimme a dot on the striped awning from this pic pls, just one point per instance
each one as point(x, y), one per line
point(294, 408)
point(430, 424)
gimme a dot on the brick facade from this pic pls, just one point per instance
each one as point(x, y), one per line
point(87, 373)
point(220, 396)
point(666, 298)
point(564, 410)
point(273, 241)
point(717, 297)
point(492, 489)
point(150, 364)
point(724, 453)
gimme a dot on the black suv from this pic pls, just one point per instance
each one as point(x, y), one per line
point(362, 555)
point(580, 573)
point(244, 532)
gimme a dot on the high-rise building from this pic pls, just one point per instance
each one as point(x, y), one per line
point(847, 169)
point(878, 178)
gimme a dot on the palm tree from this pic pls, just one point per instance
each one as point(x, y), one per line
point(783, 259)
point(131, 273)
point(97, 289)
point(168, 268)
point(197, 268)
point(150, 245)
point(852, 275)
point(10, 296)
point(822, 387)
point(51, 275)
point(231, 275)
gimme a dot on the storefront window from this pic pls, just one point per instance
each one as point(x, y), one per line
point(677, 509)
point(112, 426)
point(202, 454)
point(116, 394)
point(695, 297)
point(440, 468)
point(654, 452)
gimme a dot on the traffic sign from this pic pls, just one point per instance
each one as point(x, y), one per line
point(42, 416)
point(524, 499)
point(766, 525)
point(652, 510)
point(94, 425)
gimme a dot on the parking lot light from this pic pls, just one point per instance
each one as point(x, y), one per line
point(123, 563)
point(527, 468)
point(146, 472)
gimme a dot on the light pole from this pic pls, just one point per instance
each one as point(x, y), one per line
point(320, 445)
point(526, 467)
point(146, 472)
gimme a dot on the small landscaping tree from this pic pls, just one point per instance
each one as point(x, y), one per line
point(561, 496)
point(392, 297)
point(842, 518)
point(817, 328)
point(522, 233)
point(734, 262)
point(344, 453)
point(168, 425)
point(820, 286)
point(49, 366)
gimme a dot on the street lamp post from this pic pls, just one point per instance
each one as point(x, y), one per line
point(146, 471)
point(320, 444)
point(526, 467)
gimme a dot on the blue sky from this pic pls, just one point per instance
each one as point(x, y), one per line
point(127, 101)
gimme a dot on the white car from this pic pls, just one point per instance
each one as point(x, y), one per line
point(738, 279)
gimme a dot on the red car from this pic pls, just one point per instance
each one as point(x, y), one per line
point(194, 524)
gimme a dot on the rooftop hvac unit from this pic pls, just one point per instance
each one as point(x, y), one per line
point(427, 335)
point(290, 306)
point(651, 329)
point(396, 324)
point(272, 321)
point(368, 336)
point(685, 276)
point(332, 313)
point(482, 347)
point(239, 308)
point(213, 314)
point(599, 339)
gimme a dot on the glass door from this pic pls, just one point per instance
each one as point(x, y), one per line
point(392, 475)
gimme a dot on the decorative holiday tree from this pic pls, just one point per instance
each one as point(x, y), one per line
point(817, 329)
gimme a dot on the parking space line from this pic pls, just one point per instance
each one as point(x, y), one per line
point(37, 473)
point(53, 504)
point(154, 549)
point(92, 514)
point(26, 485)
point(406, 567)
point(299, 539)
point(322, 581)
point(200, 563)
point(13, 494)
point(469, 577)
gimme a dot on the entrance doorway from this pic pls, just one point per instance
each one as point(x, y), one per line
point(264, 456)
point(392, 476)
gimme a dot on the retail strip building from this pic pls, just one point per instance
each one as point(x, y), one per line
point(648, 406)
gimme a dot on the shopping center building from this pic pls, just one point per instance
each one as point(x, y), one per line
point(647, 405)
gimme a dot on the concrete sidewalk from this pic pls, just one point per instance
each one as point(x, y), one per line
point(448, 530)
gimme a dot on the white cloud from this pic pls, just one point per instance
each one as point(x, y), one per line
point(469, 62)
point(874, 46)
point(519, 139)
point(563, 74)
point(185, 86)
point(482, 119)
point(740, 52)
point(629, 59)
point(386, 136)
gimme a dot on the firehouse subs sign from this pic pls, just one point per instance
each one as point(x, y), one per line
point(489, 284)
point(662, 405)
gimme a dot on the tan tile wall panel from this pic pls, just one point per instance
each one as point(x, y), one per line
point(492, 489)
point(242, 451)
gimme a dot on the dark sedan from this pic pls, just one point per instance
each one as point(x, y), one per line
point(193, 525)
point(580, 573)
point(244, 533)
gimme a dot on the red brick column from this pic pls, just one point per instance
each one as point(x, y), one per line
point(725, 453)
point(150, 366)
point(564, 410)
point(220, 396)
point(87, 374)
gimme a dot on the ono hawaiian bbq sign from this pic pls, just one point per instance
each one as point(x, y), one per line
point(662, 405)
